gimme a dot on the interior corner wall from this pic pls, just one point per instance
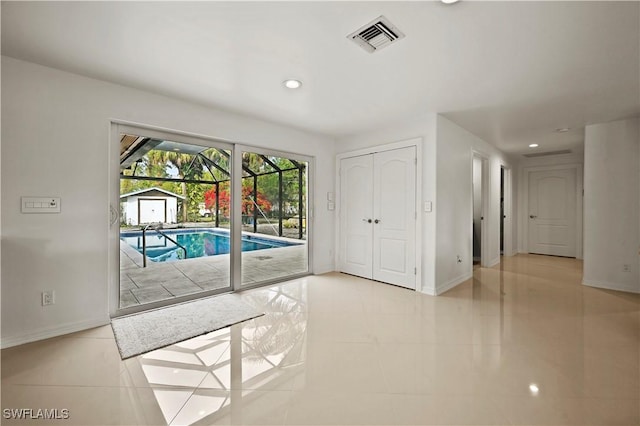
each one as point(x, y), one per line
point(612, 205)
point(423, 127)
point(454, 207)
point(55, 138)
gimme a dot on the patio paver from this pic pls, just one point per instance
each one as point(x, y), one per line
point(166, 280)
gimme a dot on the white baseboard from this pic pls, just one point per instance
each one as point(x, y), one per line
point(610, 286)
point(47, 333)
point(323, 269)
point(428, 290)
point(494, 262)
point(453, 282)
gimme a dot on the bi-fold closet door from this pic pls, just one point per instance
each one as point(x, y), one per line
point(378, 216)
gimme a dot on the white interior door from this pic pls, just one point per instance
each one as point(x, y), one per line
point(394, 214)
point(356, 216)
point(552, 212)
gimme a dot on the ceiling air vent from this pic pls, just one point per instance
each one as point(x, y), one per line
point(544, 154)
point(376, 35)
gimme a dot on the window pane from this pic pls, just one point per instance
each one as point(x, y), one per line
point(174, 204)
point(274, 218)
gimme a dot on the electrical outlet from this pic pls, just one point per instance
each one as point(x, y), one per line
point(625, 268)
point(48, 298)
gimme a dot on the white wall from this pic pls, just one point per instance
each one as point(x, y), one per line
point(55, 142)
point(612, 205)
point(446, 181)
point(455, 150)
point(131, 211)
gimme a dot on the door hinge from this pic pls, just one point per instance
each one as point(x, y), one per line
point(415, 161)
point(415, 271)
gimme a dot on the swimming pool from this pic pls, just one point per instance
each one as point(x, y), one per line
point(198, 242)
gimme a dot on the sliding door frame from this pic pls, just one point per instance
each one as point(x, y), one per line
point(117, 127)
point(237, 215)
point(113, 274)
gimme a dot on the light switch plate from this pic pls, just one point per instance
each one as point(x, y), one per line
point(331, 206)
point(428, 206)
point(40, 204)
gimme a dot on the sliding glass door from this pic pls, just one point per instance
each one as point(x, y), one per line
point(275, 225)
point(174, 220)
point(187, 225)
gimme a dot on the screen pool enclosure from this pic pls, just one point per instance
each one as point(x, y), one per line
point(167, 246)
point(278, 182)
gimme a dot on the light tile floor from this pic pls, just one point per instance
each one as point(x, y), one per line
point(335, 349)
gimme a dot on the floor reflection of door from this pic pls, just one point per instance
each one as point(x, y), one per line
point(267, 352)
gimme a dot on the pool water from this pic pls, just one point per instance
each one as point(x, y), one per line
point(199, 243)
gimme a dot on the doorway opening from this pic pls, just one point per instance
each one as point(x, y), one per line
point(479, 173)
point(502, 210)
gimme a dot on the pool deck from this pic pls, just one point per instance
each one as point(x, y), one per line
point(166, 280)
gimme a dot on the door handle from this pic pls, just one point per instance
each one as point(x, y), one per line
point(532, 216)
point(377, 221)
point(366, 220)
point(113, 215)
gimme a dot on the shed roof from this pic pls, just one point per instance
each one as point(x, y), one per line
point(155, 188)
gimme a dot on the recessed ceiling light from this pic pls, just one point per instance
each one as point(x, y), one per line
point(533, 145)
point(449, 1)
point(534, 388)
point(563, 130)
point(292, 83)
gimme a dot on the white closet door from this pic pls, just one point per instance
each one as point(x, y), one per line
point(394, 214)
point(356, 215)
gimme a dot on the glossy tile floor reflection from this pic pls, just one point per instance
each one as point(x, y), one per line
point(522, 344)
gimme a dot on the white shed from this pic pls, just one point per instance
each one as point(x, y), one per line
point(150, 205)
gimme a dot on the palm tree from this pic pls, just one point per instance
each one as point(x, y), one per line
point(176, 165)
